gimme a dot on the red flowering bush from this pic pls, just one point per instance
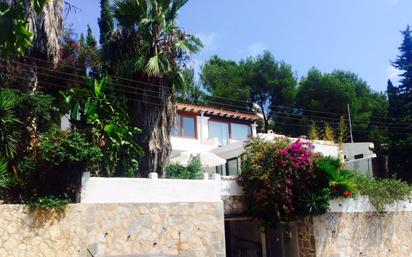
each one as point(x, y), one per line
point(283, 180)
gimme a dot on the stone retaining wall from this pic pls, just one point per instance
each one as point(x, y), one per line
point(166, 229)
point(364, 234)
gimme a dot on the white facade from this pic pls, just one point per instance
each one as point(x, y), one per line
point(358, 157)
point(203, 140)
point(198, 137)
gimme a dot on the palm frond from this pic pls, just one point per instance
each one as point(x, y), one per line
point(4, 181)
point(190, 45)
point(128, 12)
point(158, 65)
point(8, 124)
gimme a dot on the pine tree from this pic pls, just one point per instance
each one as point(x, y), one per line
point(342, 131)
point(329, 134)
point(314, 133)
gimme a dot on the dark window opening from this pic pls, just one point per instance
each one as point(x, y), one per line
point(186, 126)
point(358, 156)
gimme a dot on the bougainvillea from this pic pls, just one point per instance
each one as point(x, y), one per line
point(283, 180)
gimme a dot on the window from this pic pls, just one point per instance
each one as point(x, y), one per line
point(232, 168)
point(225, 130)
point(240, 131)
point(189, 127)
point(219, 169)
point(186, 126)
point(358, 156)
point(220, 130)
point(177, 132)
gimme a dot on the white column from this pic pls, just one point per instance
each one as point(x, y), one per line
point(205, 128)
point(254, 129)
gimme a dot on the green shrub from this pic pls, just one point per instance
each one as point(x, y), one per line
point(331, 175)
point(47, 202)
point(64, 147)
point(193, 170)
point(104, 120)
point(381, 192)
point(53, 170)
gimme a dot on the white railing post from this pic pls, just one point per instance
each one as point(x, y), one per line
point(153, 175)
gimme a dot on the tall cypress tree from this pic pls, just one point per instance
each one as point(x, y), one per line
point(106, 26)
point(393, 100)
point(400, 109)
point(404, 62)
point(91, 42)
point(105, 21)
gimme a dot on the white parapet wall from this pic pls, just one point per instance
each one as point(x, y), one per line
point(362, 204)
point(154, 190)
point(143, 190)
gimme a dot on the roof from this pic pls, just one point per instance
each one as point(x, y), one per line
point(214, 111)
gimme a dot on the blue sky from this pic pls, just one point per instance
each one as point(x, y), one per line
point(357, 35)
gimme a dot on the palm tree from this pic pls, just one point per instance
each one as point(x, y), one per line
point(149, 46)
point(40, 26)
point(47, 28)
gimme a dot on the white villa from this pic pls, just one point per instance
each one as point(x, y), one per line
point(219, 198)
point(223, 133)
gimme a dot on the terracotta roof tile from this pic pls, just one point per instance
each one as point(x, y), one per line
point(216, 111)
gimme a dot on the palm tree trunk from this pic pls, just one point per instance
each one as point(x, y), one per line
point(48, 29)
point(155, 119)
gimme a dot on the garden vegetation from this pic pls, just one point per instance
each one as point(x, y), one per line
point(284, 180)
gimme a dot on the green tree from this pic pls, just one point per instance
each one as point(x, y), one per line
point(190, 91)
point(400, 109)
point(271, 84)
point(326, 96)
point(403, 63)
point(89, 57)
point(223, 78)
point(106, 23)
point(256, 81)
point(106, 26)
point(150, 47)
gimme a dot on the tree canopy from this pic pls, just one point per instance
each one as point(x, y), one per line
point(325, 96)
point(260, 81)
